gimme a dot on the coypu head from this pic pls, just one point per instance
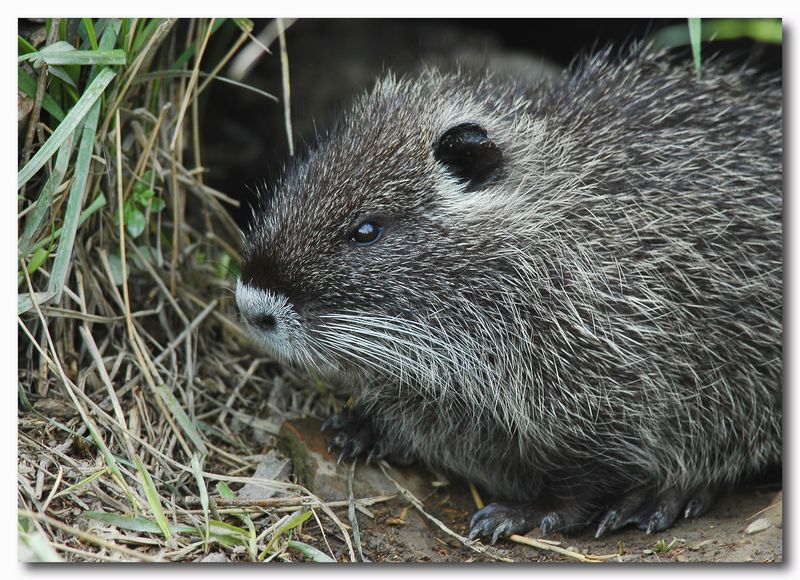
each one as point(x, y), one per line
point(359, 259)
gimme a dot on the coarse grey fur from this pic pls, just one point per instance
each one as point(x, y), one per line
point(602, 318)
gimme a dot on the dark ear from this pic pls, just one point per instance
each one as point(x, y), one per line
point(469, 154)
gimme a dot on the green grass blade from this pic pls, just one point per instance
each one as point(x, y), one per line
point(310, 552)
point(115, 57)
point(23, 46)
point(152, 498)
point(228, 535)
point(111, 462)
point(76, 114)
point(182, 418)
point(293, 522)
point(58, 274)
point(27, 85)
point(224, 491)
point(53, 182)
point(761, 29)
point(245, 24)
point(88, 25)
point(137, 524)
point(189, 52)
point(768, 30)
point(203, 490)
point(695, 39)
point(144, 33)
point(98, 203)
point(68, 490)
point(24, 301)
point(35, 547)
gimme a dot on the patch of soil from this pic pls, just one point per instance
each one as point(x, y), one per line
point(744, 525)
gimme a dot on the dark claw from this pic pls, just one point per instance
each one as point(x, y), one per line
point(477, 525)
point(501, 520)
point(550, 523)
point(659, 520)
point(699, 504)
point(377, 452)
point(609, 521)
point(653, 513)
point(501, 531)
point(356, 436)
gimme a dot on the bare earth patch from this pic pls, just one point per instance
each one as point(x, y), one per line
point(744, 525)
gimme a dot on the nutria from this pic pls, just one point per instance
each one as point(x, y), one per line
point(568, 292)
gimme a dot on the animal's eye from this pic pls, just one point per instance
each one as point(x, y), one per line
point(366, 233)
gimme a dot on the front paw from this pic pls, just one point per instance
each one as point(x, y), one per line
point(500, 520)
point(356, 436)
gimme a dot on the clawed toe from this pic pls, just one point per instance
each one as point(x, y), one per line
point(355, 436)
point(654, 513)
point(500, 521)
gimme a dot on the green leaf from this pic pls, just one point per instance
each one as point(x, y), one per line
point(99, 473)
point(157, 204)
point(38, 258)
point(88, 25)
point(39, 57)
point(223, 265)
point(42, 203)
point(244, 23)
point(142, 196)
point(695, 38)
point(152, 498)
point(146, 256)
point(60, 73)
point(27, 85)
point(83, 161)
point(98, 203)
point(23, 46)
point(115, 265)
point(293, 522)
point(224, 491)
point(75, 116)
point(135, 223)
point(63, 53)
point(182, 418)
point(132, 524)
point(201, 486)
point(35, 547)
point(761, 29)
point(310, 552)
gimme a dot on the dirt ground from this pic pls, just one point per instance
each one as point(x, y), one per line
point(744, 525)
point(717, 537)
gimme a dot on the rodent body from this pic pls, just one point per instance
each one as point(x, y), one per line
point(568, 292)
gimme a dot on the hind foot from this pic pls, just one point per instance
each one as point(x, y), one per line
point(356, 436)
point(502, 520)
point(654, 513)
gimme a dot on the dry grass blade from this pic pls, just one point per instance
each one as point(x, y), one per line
point(124, 375)
point(476, 546)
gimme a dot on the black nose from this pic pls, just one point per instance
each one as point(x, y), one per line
point(264, 321)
